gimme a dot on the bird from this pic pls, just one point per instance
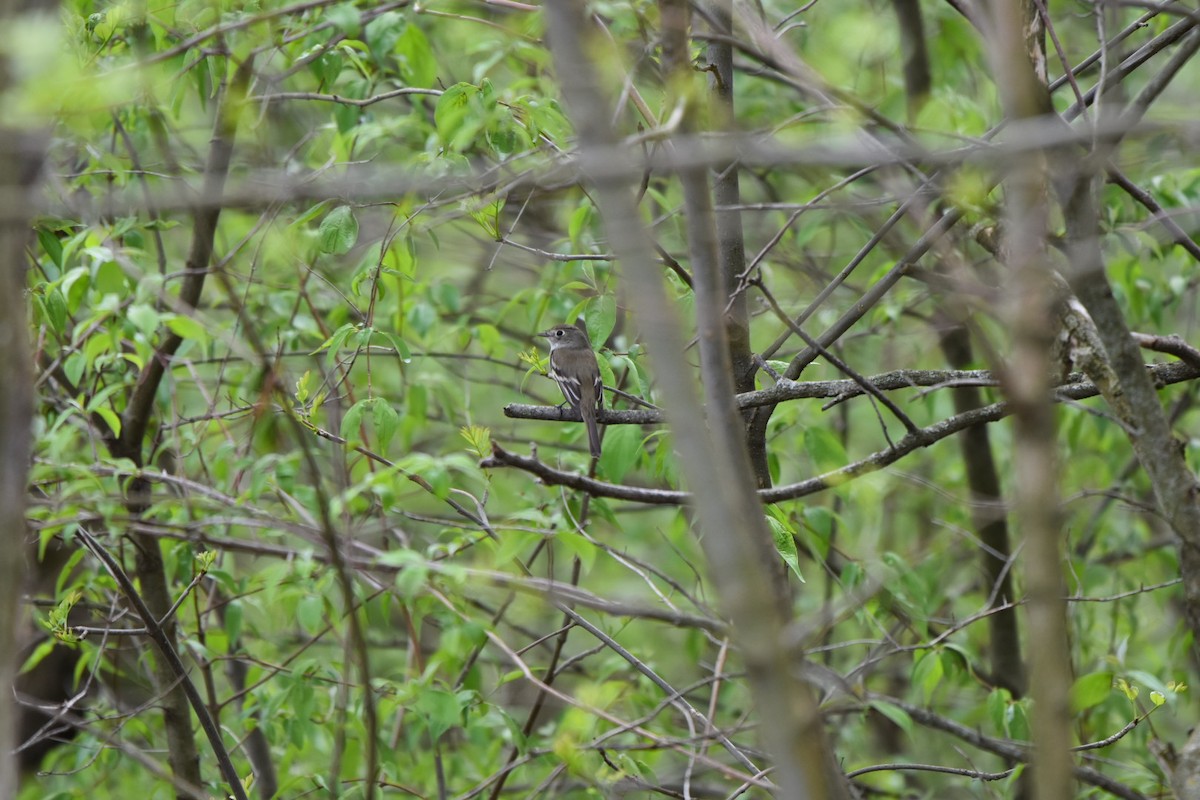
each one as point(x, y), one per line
point(574, 368)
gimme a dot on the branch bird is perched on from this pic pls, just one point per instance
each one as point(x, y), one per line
point(573, 367)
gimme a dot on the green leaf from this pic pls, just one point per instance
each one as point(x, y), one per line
point(310, 613)
point(386, 421)
point(441, 710)
point(411, 580)
point(546, 119)
point(579, 222)
point(824, 448)
point(422, 317)
point(110, 417)
point(234, 614)
point(418, 66)
point(39, 653)
point(74, 366)
point(488, 217)
point(56, 309)
point(382, 32)
point(401, 256)
point(1091, 690)
point(308, 216)
point(346, 18)
point(187, 327)
point(459, 115)
point(514, 543)
point(581, 548)
point(895, 714)
point(338, 232)
point(601, 318)
point(622, 449)
point(303, 386)
point(489, 339)
point(818, 524)
point(785, 545)
point(928, 672)
point(202, 561)
point(352, 422)
point(51, 245)
point(416, 404)
point(144, 318)
point(479, 439)
point(109, 279)
point(439, 479)
point(75, 285)
point(334, 343)
point(998, 701)
point(448, 296)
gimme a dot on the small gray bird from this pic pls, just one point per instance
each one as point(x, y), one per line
point(573, 367)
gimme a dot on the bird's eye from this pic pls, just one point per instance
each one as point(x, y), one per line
point(558, 334)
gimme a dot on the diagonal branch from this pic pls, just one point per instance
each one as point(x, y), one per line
point(204, 228)
point(167, 649)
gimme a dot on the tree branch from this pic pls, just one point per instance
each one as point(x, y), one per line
point(166, 649)
point(789, 721)
point(1163, 374)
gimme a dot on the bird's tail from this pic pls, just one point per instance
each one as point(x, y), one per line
point(593, 432)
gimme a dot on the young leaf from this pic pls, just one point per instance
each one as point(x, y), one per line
point(478, 439)
point(334, 343)
point(338, 232)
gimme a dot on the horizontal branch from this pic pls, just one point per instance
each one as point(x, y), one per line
point(1163, 375)
point(780, 392)
point(337, 98)
point(557, 592)
point(1013, 751)
point(367, 183)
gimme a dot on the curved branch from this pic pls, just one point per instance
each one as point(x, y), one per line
point(1161, 374)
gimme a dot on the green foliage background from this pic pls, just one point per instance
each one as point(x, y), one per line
point(399, 219)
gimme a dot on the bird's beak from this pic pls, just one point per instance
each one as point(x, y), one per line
point(543, 334)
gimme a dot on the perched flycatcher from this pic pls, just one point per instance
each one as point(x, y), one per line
point(573, 367)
